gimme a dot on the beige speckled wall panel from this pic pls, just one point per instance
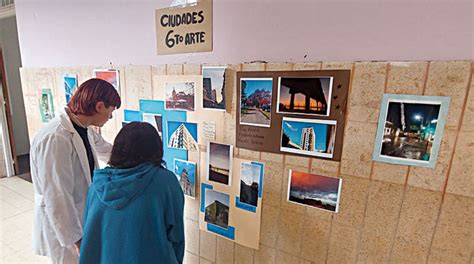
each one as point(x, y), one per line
point(387, 213)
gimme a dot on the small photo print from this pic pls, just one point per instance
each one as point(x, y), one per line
point(111, 76)
point(180, 96)
point(305, 95)
point(213, 81)
point(46, 105)
point(155, 120)
point(256, 101)
point(70, 86)
point(182, 135)
point(314, 190)
point(186, 173)
point(220, 163)
point(308, 136)
point(410, 129)
point(216, 208)
point(249, 183)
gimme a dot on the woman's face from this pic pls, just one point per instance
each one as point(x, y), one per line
point(103, 114)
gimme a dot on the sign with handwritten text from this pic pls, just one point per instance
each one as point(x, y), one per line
point(184, 29)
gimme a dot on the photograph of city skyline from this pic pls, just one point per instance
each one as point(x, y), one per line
point(256, 101)
point(304, 95)
point(409, 130)
point(308, 136)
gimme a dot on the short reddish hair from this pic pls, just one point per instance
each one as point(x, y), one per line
point(91, 92)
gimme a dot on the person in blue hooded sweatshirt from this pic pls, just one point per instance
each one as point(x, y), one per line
point(134, 209)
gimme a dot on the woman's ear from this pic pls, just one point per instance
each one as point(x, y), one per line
point(99, 107)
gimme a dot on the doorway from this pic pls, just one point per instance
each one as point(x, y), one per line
point(8, 160)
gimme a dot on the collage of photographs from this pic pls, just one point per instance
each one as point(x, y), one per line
point(182, 135)
point(302, 101)
point(220, 172)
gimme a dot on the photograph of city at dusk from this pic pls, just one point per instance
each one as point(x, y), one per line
point(410, 129)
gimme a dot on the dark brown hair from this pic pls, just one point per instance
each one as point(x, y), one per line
point(91, 92)
point(135, 144)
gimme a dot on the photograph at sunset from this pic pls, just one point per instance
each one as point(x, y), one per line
point(111, 76)
point(314, 190)
point(305, 95)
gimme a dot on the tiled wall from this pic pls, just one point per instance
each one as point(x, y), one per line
point(388, 213)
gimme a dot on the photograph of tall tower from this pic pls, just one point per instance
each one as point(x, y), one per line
point(185, 171)
point(308, 139)
point(182, 135)
point(308, 136)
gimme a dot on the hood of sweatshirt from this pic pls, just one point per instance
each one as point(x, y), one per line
point(117, 188)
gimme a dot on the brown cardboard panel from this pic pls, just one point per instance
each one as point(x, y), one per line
point(267, 139)
point(184, 29)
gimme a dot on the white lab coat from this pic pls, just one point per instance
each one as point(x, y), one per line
point(61, 178)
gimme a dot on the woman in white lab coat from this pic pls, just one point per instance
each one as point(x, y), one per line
point(63, 156)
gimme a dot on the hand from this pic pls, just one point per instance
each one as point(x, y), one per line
point(77, 245)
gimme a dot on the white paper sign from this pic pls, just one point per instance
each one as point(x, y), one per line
point(209, 130)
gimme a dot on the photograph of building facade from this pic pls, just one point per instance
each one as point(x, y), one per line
point(155, 120)
point(186, 173)
point(182, 135)
point(249, 183)
point(180, 96)
point(213, 80)
point(46, 105)
point(70, 86)
point(216, 208)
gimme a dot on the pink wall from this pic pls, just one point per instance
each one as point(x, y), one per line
point(86, 32)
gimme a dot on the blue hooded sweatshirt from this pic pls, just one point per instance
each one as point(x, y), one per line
point(133, 215)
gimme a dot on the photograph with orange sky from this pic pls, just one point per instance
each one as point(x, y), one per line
point(305, 95)
point(314, 190)
point(111, 76)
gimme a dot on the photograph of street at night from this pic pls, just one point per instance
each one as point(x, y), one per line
point(409, 130)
